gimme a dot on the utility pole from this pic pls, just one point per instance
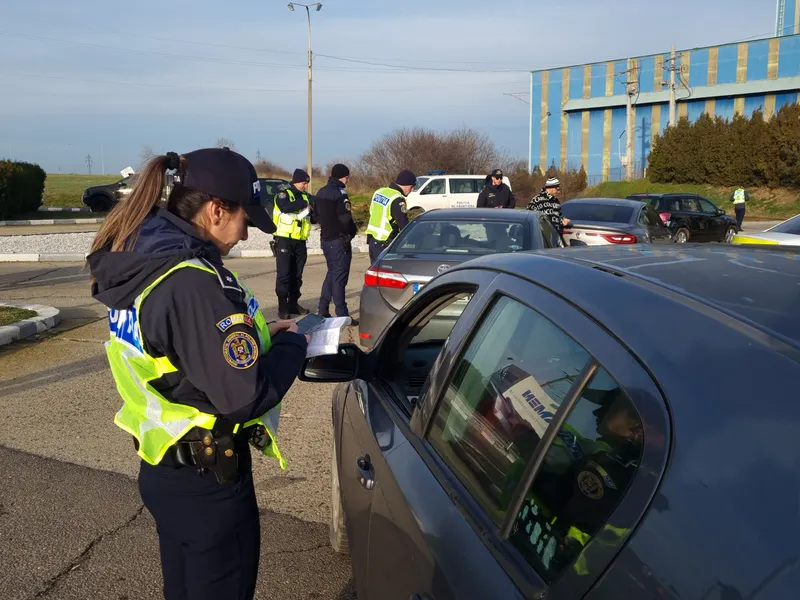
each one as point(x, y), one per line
point(631, 87)
point(672, 68)
point(318, 5)
point(103, 159)
point(89, 162)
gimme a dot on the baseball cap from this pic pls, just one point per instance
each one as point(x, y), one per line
point(225, 174)
point(498, 173)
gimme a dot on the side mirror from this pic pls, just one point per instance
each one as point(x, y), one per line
point(333, 368)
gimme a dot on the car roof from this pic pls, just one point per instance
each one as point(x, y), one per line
point(476, 214)
point(608, 201)
point(670, 195)
point(754, 286)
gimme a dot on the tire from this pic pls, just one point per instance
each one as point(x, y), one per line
point(337, 530)
point(98, 203)
point(414, 213)
point(682, 236)
point(729, 233)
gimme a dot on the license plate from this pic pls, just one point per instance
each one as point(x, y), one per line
point(418, 287)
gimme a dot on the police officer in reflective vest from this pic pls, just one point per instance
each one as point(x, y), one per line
point(387, 212)
point(739, 197)
point(333, 211)
point(200, 372)
point(292, 218)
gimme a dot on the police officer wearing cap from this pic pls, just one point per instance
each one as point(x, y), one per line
point(496, 194)
point(337, 228)
point(387, 212)
point(200, 371)
point(292, 218)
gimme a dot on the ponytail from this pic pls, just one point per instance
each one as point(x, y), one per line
point(120, 228)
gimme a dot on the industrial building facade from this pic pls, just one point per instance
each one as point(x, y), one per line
point(578, 114)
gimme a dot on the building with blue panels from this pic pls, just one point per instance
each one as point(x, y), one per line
point(578, 113)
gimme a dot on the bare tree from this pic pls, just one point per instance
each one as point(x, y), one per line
point(225, 143)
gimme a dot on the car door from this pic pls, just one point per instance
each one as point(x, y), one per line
point(712, 216)
point(510, 395)
point(463, 192)
point(434, 194)
point(659, 234)
point(698, 224)
point(550, 236)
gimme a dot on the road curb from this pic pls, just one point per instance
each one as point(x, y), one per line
point(52, 222)
point(66, 257)
point(63, 209)
point(47, 318)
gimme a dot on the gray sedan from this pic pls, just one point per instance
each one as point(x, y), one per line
point(433, 243)
point(605, 221)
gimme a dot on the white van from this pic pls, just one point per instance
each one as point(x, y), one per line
point(446, 191)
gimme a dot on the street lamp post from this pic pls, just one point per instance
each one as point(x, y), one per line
point(318, 6)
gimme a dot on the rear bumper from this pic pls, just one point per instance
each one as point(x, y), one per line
point(374, 315)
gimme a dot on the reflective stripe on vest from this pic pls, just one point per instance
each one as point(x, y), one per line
point(155, 422)
point(738, 196)
point(380, 213)
point(292, 225)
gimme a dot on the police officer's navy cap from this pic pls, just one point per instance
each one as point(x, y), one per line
point(225, 174)
point(300, 176)
point(498, 173)
point(339, 170)
point(406, 177)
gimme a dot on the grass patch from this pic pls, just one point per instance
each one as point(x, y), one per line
point(765, 203)
point(11, 314)
point(67, 190)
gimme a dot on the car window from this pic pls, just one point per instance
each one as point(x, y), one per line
point(583, 476)
point(500, 399)
point(420, 182)
point(706, 207)
point(465, 186)
point(550, 236)
point(651, 218)
point(476, 237)
point(597, 211)
point(436, 186)
point(642, 220)
point(690, 205)
point(791, 226)
point(673, 204)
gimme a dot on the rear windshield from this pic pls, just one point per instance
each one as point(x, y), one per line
point(791, 226)
point(595, 211)
point(470, 238)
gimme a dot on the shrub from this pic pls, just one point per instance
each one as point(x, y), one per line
point(21, 188)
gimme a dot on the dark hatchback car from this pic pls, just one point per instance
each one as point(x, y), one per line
point(436, 241)
point(691, 218)
point(102, 198)
point(553, 445)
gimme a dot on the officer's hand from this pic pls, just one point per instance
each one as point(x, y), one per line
point(278, 326)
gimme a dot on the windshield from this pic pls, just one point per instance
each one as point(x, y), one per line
point(791, 226)
point(596, 211)
point(420, 182)
point(466, 238)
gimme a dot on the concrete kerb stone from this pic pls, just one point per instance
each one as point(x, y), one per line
point(63, 209)
point(52, 222)
point(47, 317)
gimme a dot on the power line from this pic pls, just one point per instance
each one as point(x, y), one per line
point(411, 68)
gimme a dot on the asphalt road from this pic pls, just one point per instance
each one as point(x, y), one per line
point(72, 525)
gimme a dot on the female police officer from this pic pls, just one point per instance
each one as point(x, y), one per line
point(201, 373)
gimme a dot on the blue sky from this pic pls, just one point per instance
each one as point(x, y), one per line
point(107, 78)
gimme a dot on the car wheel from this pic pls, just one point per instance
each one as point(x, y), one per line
point(98, 203)
point(338, 533)
point(682, 236)
point(731, 231)
point(415, 212)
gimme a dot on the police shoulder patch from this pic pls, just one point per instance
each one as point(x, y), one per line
point(240, 350)
point(236, 319)
point(347, 205)
point(590, 485)
point(403, 206)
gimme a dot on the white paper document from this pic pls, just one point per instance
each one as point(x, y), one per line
point(325, 339)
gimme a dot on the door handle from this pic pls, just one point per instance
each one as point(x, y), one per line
point(364, 469)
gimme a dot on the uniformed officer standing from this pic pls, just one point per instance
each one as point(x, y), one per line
point(200, 371)
point(387, 212)
point(292, 218)
point(496, 194)
point(337, 229)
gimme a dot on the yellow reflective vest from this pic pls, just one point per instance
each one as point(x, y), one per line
point(295, 226)
point(380, 213)
point(155, 422)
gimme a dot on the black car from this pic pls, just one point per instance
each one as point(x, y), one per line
point(603, 221)
point(691, 218)
point(102, 198)
point(554, 445)
point(436, 241)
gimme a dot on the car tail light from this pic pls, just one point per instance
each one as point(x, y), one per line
point(665, 216)
point(618, 238)
point(375, 277)
point(364, 336)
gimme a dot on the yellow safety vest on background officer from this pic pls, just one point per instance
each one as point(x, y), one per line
point(155, 422)
point(292, 218)
point(387, 213)
point(739, 198)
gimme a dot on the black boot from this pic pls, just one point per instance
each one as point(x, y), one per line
point(283, 307)
point(296, 309)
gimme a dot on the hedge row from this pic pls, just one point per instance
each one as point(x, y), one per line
point(21, 188)
point(744, 151)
